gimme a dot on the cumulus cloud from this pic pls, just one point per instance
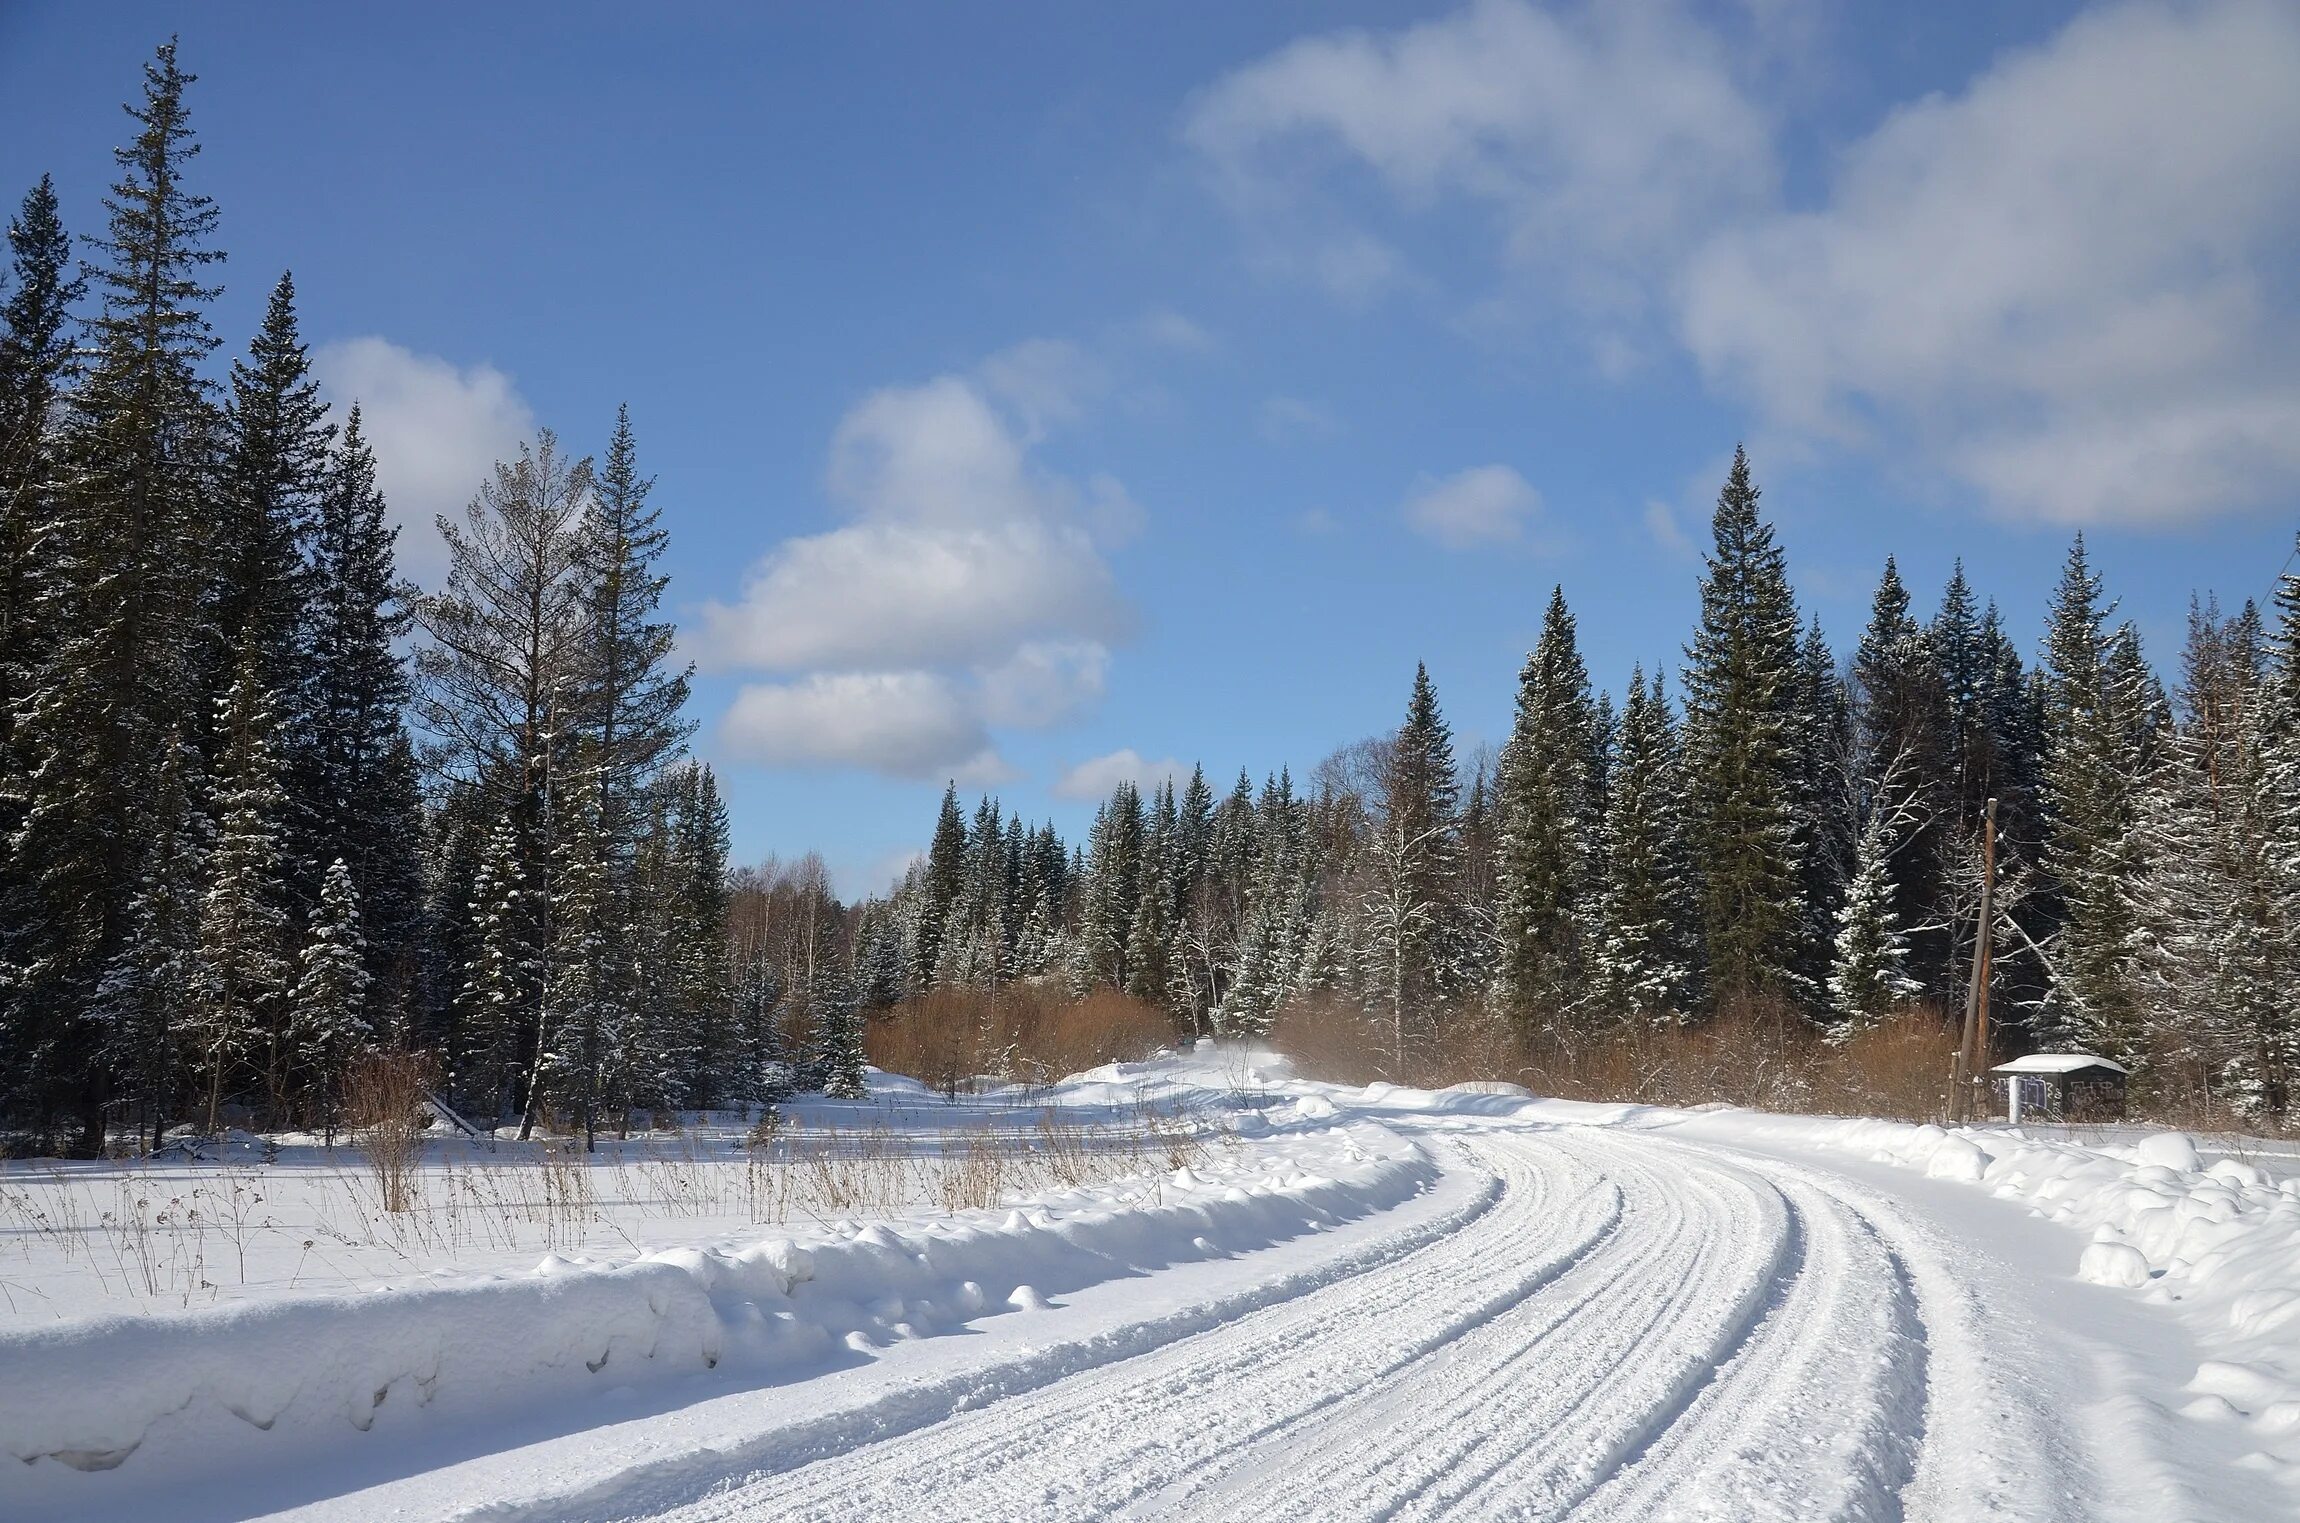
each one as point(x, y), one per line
point(1487, 505)
point(437, 429)
point(1602, 135)
point(2066, 283)
point(880, 594)
point(967, 591)
point(1095, 777)
point(2059, 279)
point(909, 724)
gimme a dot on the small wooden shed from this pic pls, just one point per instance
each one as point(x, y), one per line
point(2062, 1086)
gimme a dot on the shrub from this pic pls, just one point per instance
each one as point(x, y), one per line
point(946, 1038)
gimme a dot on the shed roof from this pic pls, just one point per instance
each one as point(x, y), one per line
point(2056, 1063)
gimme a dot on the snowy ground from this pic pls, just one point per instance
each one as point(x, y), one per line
point(1209, 1291)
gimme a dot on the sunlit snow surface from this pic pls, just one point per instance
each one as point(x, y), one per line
point(1211, 1290)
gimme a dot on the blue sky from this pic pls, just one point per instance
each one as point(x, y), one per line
point(1041, 393)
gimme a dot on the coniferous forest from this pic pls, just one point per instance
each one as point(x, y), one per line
point(268, 808)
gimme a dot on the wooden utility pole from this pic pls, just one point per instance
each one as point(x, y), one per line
point(1973, 1044)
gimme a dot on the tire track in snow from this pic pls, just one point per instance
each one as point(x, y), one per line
point(1087, 1445)
point(1640, 1328)
point(1989, 1450)
point(1818, 1414)
point(1533, 1412)
point(705, 1479)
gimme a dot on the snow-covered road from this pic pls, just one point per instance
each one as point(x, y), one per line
point(1520, 1310)
point(1633, 1328)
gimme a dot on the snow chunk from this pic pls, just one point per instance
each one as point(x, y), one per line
point(2112, 1264)
point(1957, 1158)
point(2170, 1150)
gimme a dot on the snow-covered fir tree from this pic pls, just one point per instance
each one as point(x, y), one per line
point(1644, 964)
point(1870, 975)
point(121, 558)
point(1549, 813)
point(352, 767)
point(2093, 722)
point(1744, 772)
point(239, 1008)
point(330, 1024)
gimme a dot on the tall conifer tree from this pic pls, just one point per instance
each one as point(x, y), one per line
point(1743, 730)
point(273, 471)
point(1549, 812)
point(1645, 963)
point(124, 575)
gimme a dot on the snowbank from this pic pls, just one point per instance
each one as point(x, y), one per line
point(88, 1394)
point(2223, 1239)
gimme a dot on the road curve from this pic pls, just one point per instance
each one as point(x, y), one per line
point(1637, 1328)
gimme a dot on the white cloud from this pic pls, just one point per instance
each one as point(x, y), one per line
point(1095, 777)
point(968, 592)
point(2067, 283)
point(1048, 382)
point(891, 594)
point(910, 724)
point(1602, 136)
point(1316, 521)
point(1043, 683)
point(2059, 280)
point(1485, 505)
point(437, 430)
point(963, 551)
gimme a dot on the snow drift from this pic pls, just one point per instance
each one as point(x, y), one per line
point(88, 1394)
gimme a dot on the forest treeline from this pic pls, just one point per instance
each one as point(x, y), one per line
point(1786, 837)
point(267, 808)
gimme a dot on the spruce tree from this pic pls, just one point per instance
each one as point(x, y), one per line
point(697, 951)
point(1742, 757)
point(1150, 935)
point(1271, 943)
point(1870, 976)
point(839, 1024)
point(587, 1029)
point(1424, 809)
point(492, 1006)
point(123, 573)
point(331, 1023)
point(1114, 885)
point(944, 879)
point(274, 469)
point(35, 360)
point(1645, 964)
point(143, 998)
point(632, 698)
point(1549, 818)
point(1828, 814)
point(2093, 706)
point(2213, 946)
point(240, 1006)
point(352, 771)
point(2266, 1058)
point(1902, 766)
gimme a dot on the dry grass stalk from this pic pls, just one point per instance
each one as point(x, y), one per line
point(383, 1097)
